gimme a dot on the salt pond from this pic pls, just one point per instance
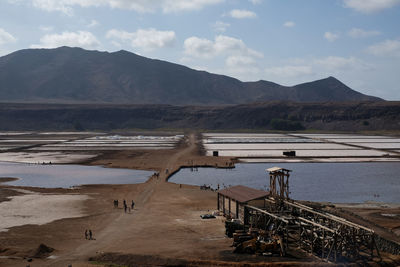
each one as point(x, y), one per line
point(331, 182)
point(308, 147)
point(65, 176)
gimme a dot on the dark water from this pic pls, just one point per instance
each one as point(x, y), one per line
point(332, 182)
point(65, 176)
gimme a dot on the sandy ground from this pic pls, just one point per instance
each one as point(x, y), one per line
point(387, 216)
point(164, 228)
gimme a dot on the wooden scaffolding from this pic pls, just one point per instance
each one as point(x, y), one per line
point(322, 234)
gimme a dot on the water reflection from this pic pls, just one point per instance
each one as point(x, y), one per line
point(65, 176)
point(333, 182)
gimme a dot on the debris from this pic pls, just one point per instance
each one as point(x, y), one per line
point(262, 244)
point(291, 153)
point(42, 251)
point(231, 226)
point(207, 216)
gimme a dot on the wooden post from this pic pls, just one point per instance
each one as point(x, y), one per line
point(229, 206)
point(218, 201)
point(223, 203)
point(237, 209)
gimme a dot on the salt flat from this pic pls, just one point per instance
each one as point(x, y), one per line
point(379, 145)
point(53, 157)
point(303, 153)
point(299, 146)
point(364, 140)
point(35, 208)
point(314, 147)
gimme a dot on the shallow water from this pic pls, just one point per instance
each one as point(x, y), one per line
point(331, 182)
point(65, 176)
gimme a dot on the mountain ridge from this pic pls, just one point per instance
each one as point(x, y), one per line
point(75, 75)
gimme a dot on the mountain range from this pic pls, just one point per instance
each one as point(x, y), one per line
point(75, 75)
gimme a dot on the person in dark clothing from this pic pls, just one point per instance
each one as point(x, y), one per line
point(86, 234)
point(132, 205)
point(90, 235)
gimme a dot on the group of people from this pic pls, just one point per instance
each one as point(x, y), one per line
point(126, 208)
point(88, 234)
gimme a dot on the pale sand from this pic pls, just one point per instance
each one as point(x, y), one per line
point(39, 209)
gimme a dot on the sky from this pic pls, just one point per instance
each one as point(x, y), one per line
point(283, 41)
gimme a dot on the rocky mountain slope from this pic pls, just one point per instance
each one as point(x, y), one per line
point(75, 75)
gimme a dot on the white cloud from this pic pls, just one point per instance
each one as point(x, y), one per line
point(289, 71)
point(385, 48)
point(146, 39)
point(93, 23)
point(370, 6)
point(242, 14)
point(142, 6)
point(331, 37)
point(360, 33)
point(239, 59)
point(169, 6)
point(199, 47)
point(255, 2)
point(6, 37)
point(220, 26)
point(75, 39)
point(325, 66)
point(239, 64)
point(335, 63)
point(46, 28)
point(222, 45)
point(234, 61)
point(289, 24)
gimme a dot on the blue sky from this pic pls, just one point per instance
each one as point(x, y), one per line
point(284, 41)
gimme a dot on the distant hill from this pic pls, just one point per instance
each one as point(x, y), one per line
point(75, 75)
point(284, 116)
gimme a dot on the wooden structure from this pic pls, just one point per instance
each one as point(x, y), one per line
point(322, 234)
point(232, 200)
point(279, 182)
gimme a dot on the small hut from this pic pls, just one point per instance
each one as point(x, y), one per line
point(231, 201)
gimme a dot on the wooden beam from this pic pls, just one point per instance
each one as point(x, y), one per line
point(267, 213)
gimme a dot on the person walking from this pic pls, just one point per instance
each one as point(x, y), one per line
point(125, 206)
point(86, 234)
point(90, 235)
point(132, 205)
